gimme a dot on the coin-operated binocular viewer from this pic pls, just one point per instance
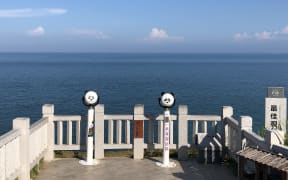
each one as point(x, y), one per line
point(90, 99)
point(167, 100)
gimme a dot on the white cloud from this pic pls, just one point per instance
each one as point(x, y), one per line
point(264, 35)
point(161, 34)
point(89, 33)
point(285, 30)
point(38, 31)
point(28, 12)
point(241, 36)
point(158, 34)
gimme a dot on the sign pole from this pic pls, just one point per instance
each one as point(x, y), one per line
point(166, 137)
point(167, 100)
point(90, 99)
point(90, 139)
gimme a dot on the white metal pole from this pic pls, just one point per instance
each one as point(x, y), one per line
point(89, 158)
point(90, 139)
point(166, 136)
point(166, 142)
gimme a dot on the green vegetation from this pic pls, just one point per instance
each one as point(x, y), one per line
point(36, 169)
point(286, 140)
point(261, 132)
point(70, 154)
point(286, 135)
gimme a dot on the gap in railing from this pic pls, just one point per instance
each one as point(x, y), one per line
point(156, 134)
point(105, 132)
point(200, 125)
point(64, 124)
point(175, 132)
point(55, 132)
point(123, 131)
point(74, 129)
point(219, 127)
point(131, 132)
point(83, 129)
point(190, 132)
point(146, 131)
point(209, 127)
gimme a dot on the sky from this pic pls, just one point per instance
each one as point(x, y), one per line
point(185, 26)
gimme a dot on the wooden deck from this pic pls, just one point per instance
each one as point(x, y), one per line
point(266, 164)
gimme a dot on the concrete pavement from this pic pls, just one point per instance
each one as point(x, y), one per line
point(128, 169)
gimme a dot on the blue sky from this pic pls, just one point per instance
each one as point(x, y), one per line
point(144, 26)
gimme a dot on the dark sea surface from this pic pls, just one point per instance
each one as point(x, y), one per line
point(204, 82)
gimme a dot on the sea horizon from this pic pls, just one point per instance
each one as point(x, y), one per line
point(204, 82)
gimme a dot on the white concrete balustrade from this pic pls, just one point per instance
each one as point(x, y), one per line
point(24, 146)
point(69, 120)
point(38, 141)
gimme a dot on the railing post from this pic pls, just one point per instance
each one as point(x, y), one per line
point(226, 112)
point(127, 132)
point(118, 131)
point(138, 146)
point(99, 132)
point(23, 125)
point(48, 112)
point(245, 123)
point(69, 132)
point(204, 126)
point(110, 131)
point(182, 132)
point(194, 131)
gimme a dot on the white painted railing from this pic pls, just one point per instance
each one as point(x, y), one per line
point(118, 122)
point(238, 134)
point(24, 146)
point(38, 141)
point(160, 122)
point(10, 155)
point(70, 122)
point(233, 132)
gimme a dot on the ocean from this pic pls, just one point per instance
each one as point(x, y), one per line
point(204, 82)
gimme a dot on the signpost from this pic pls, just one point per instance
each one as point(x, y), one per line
point(90, 99)
point(167, 100)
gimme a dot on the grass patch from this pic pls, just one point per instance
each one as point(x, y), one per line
point(158, 153)
point(119, 153)
point(36, 169)
point(82, 154)
point(193, 153)
point(286, 139)
point(70, 154)
point(261, 131)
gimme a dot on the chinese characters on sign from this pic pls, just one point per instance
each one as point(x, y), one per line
point(166, 136)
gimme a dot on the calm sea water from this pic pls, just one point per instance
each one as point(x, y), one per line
point(204, 82)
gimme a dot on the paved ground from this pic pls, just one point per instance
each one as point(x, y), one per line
point(129, 169)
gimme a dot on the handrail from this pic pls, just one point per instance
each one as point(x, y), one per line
point(204, 117)
point(161, 117)
point(232, 122)
point(67, 117)
point(280, 149)
point(118, 117)
point(258, 140)
point(38, 124)
point(9, 136)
